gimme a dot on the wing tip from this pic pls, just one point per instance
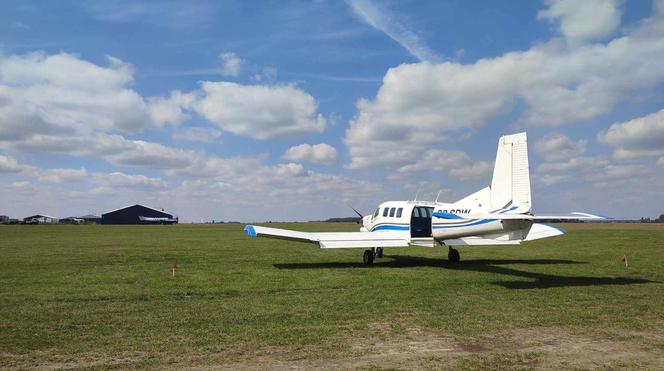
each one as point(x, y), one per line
point(250, 231)
point(594, 216)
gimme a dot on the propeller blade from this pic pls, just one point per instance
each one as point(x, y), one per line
point(356, 212)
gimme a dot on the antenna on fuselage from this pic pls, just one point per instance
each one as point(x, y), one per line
point(418, 192)
point(438, 195)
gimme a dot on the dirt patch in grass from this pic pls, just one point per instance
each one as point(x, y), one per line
point(406, 347)
point(419, 348)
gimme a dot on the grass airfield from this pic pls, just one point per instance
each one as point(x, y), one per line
point(104, 297)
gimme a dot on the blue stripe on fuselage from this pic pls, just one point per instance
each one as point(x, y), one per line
point(483, 221)
point(391, 228)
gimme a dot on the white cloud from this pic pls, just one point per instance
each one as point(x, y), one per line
point(231, 64)
point(437, 160)
point(171, 110)
point(379, 18)
point(260, 111)
point(197, 134)
point(558, 147)
point(637, 138)
point(660, 162)
point(458, 163)
point(9, 165)
point(131, 181)
point(62, 93)
point(476, 170)
point(551, 180)
point(418, 105)
point(62, 175)
point(577, 164)
point(585, 20)
point(321, 153)
point(151, 155)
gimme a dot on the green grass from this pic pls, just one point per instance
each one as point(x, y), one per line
point(103, 296)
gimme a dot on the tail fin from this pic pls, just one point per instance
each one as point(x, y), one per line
point(511, 176)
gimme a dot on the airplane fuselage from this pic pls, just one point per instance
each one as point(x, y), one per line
point(414, 220)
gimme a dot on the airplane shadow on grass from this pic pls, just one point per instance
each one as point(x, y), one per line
point(538, 280)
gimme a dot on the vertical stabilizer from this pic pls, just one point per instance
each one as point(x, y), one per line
point(511, 175)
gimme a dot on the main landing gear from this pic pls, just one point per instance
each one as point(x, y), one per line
point(453, 255)
point(369, 255)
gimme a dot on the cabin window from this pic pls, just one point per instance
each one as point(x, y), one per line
point(399, 211)
point(392, 210)
point(385, 211)
point(428, 212)
point(377, 211)
point(416, 212)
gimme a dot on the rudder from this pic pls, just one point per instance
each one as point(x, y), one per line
point(511, 175)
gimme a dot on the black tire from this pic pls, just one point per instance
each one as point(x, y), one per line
point(379, 252)
point(367, 258)
point(453, 256)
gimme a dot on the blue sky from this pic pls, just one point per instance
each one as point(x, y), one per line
point(290, 110)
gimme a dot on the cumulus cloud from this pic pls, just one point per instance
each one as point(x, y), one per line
point(9, 165)
point(637, 138)
point(321, 153)
point(418, 105)
point(197, 134)
point(231, 64)
point(582, 21)
point(457, 163)
point(260, 111)
point(476, 170)
point(61, 93)
point(171, 109)
point(557, 147)
point(60, 175)
point(131, 181)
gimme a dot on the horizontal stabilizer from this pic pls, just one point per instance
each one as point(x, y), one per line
point(538, 230)
point(331, 240)
point(572, 216)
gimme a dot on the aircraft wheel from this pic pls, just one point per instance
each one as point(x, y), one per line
point(453, 255)
point(368, 256)
point(379, 252)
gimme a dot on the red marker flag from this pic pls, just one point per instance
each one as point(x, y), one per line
point(174, 268)
point(624, 259)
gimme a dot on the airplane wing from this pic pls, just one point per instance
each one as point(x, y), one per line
point(572, 216)
point(332, 240)
point(535, 232)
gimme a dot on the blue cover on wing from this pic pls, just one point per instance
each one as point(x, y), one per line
point(250, 231)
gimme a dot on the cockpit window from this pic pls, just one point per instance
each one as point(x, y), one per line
point(385, 211)
point(399, 211)
point(392, 210)
point(377, 211)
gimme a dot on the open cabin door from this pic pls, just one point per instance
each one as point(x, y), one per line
point(420, 222)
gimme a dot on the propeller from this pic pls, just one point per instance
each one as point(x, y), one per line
point(359, 221)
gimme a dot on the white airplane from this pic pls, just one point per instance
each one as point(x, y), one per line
point(499, 214)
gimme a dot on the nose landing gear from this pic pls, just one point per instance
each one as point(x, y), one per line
point(369, 255)
point(453, 255)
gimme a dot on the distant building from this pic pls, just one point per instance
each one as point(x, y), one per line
point(40, 219)
point(91, 219)
point(137, 214)
point(71, 220)
point(4, 219)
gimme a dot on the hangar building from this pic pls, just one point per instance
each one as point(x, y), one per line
point(40, 219)
point(137, 214)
